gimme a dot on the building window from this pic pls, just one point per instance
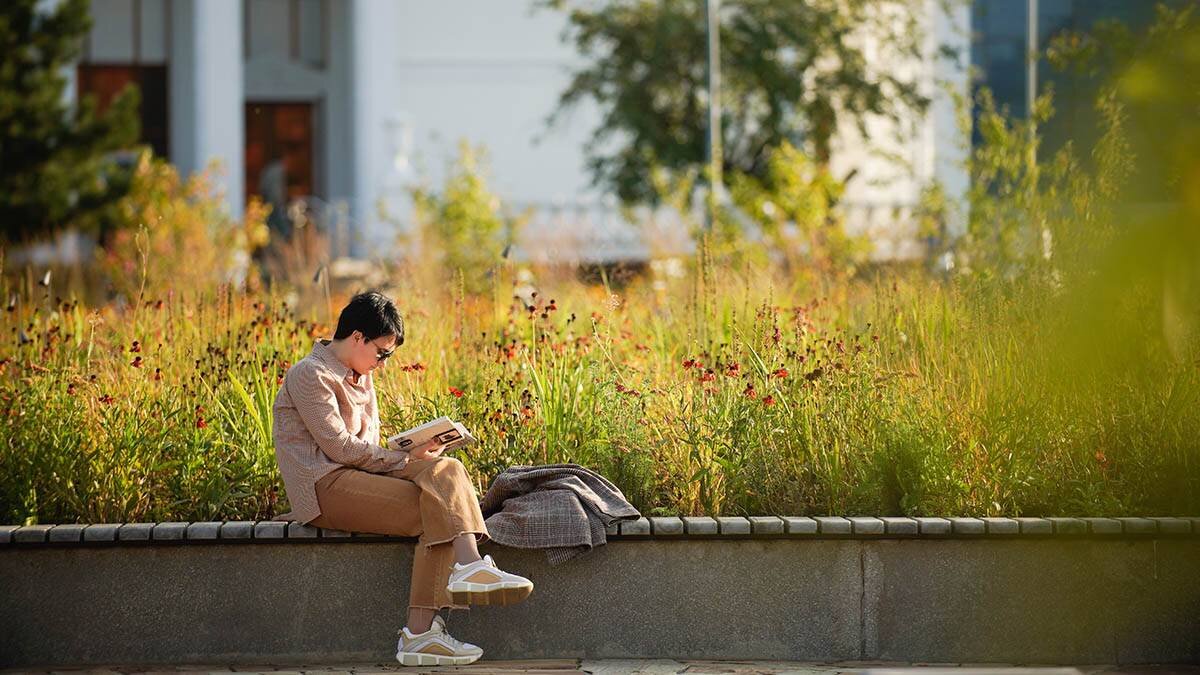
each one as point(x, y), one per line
point(106, 81)
point(287, 30)
point(128, 45)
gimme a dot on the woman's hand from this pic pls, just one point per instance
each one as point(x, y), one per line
point(427, 451)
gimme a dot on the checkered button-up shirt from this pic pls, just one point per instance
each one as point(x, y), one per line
point(326, 416)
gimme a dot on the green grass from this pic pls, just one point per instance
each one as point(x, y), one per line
point(892, 394)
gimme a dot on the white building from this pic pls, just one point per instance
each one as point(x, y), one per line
point(349, 101)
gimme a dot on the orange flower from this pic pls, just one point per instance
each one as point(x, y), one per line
point(456, 392)
point(780, 373)
point(768, 400)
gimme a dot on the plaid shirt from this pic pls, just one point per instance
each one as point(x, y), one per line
point(326, 416)
point(563, 508)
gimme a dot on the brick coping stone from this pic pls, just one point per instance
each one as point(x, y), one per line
point(658, 527)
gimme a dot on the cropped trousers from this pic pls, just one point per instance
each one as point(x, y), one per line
point(432, 499)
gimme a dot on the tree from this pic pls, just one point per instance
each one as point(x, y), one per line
point(55, 169)
point(790, 70)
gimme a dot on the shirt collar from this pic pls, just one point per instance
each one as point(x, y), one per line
point(324, 353)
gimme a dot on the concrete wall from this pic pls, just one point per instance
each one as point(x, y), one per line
point(1016, 599)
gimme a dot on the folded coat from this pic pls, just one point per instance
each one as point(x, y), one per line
point(563, 508)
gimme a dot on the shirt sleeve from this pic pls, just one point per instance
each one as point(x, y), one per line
point(312, 392)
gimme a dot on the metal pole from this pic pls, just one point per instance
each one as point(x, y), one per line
point(1031, 74)
point(715, 151)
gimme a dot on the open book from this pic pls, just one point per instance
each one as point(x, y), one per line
point(434, 433)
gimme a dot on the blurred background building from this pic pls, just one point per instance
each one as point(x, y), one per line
point(338, 106)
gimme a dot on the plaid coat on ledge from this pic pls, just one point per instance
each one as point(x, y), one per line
point(563, 508)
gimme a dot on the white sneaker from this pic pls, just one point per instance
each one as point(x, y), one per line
point(482, 583)
point(434, 647)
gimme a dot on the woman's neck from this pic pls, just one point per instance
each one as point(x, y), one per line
point(339, 348)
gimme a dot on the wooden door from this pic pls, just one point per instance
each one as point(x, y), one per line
point(279, 140)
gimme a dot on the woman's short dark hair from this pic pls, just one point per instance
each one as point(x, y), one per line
point(373, 314)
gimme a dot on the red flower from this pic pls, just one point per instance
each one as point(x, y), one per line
point(780, 373)
point(106, 399)
point(135, 347)
point(689, 363)
point(200, 423)
point(768, 400)
point(733, 369)
point(709, 376)
point(750, 392)
point(137, 362)
point(157, 373)
point(458, 393)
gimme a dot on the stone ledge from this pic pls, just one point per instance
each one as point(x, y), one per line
point(658, 527)
point(1129, 600)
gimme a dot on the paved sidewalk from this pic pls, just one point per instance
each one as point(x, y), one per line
point(648, 667)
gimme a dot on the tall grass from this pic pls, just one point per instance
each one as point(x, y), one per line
point(1055, 371)
point(894, 394)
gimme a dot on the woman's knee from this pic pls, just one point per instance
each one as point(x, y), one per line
point(448, 463)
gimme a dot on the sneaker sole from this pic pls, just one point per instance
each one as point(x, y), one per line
point(466, 593)
point(421, 659)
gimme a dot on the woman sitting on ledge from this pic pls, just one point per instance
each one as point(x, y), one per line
point(337, 476)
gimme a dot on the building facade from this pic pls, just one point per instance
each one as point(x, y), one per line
point(341, 105)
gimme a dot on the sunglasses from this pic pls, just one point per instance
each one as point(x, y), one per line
point(381, 355)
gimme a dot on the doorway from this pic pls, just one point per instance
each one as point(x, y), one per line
point(279, 153)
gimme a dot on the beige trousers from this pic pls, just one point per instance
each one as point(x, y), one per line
point(432, 499)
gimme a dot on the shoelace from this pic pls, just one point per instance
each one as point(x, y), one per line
point(439, 627)
point(486, 560)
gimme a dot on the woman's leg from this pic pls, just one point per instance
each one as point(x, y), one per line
point(359, 501)
point(449, 502)
point(453, 524)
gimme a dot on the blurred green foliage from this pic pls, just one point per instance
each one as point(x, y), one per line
point(790, 72)
point(464, 222)
point(56, 170)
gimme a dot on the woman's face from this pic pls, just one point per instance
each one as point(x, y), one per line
point(365, 354)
